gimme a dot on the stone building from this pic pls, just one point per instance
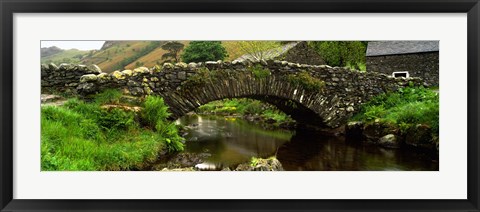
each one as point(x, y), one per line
point(405, 59)
point(295, 52)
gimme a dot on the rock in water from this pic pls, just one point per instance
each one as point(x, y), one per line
point(206, 167)
point(270, 164)
point(389, 141)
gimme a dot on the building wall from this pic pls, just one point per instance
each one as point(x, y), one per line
point(423, 65)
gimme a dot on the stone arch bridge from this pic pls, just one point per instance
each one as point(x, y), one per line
point(318, 95)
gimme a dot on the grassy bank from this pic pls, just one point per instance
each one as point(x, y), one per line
point(247, 107)
point(405, 109)
point(87, 136)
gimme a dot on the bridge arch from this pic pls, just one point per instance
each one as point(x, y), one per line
point(305, 107)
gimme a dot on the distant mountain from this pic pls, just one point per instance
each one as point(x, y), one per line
point(47, 51)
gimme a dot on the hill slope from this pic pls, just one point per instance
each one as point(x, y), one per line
point(65, 56)
point(119, 54)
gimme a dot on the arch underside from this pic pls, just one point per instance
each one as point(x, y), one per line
point(310, 108)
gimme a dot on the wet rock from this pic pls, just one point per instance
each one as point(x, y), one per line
point(421, 136)
point(354, 129)
point(389, 141)
point(373, 132)
point(179, 169)
point(186, 159)
point(269, 164)
point(207, 167)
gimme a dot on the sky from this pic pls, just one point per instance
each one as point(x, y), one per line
point(80, 45)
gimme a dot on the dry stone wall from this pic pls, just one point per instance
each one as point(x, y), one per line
point(65, 77)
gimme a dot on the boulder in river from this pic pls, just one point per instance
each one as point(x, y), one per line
point(389, 141)
point(260, 164)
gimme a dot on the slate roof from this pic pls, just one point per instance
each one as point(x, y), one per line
point(379, 48)
point(270, 54)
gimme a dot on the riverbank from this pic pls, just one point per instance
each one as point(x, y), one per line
point(198, 162)
point(104, 134)
point(408, 117)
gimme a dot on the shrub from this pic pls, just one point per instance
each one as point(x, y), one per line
point(201, 77)
point(108, 96)
point(116, 119)
point(306, 81)
point(342, 53)
point(201, 51)
point(259, 72)
point(155, 114)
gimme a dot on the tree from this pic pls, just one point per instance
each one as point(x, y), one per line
point(259, 49)
point(341, 53)
point(173, 48)
point(201, 51)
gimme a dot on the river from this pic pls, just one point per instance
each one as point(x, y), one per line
point(230, 141)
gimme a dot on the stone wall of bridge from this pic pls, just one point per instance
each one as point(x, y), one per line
point(185, 87)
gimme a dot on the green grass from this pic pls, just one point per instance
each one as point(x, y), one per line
point(83, 136)
point(245, 106)
point(404, 108)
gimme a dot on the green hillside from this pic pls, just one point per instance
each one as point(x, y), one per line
point(66, 56)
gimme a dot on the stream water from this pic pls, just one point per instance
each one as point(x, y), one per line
point(230, 141)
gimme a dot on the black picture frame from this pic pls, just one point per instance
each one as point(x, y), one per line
point(9, 7)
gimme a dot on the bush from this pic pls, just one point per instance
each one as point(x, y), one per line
point(155, 114)
point(307, 82)
point(201, 77)
point(259, 72)
point(201, 51)
point(116, 119)
point(108, 96)
point(342, 53)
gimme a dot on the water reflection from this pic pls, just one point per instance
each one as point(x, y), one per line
point(312, 151)
point(232, 141)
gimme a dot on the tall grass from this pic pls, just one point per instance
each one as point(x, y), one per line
point(83, 136)
point(406, 108)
